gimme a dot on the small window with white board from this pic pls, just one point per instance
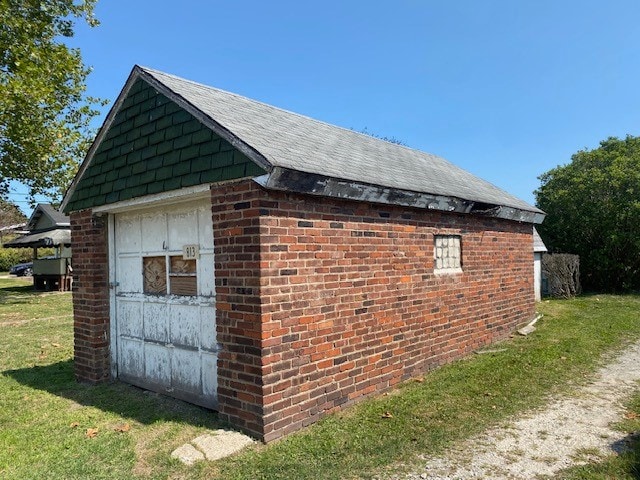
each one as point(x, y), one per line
point(447, 254)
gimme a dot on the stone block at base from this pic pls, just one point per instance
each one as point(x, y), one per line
point(221, 443)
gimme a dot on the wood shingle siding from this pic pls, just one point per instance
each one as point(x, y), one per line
point(155, 146)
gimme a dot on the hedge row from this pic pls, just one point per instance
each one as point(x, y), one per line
point(12, 256)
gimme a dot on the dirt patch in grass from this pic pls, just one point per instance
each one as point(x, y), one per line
point(6, 322)
point(146, 447)
point(571, 430)
point(623, 465)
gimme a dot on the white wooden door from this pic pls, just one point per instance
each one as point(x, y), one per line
point(164, 301)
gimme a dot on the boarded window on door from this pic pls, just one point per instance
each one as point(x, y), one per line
point(182, 276)
point(154, 275)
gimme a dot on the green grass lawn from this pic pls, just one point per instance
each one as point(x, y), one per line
point(45, 416)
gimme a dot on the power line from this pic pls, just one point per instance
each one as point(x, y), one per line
point(25, 194)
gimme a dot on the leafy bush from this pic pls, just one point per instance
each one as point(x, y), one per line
point(593, 210)
point(11, 256)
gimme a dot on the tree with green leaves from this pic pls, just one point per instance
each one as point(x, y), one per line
point(44, 111)
point(593, 210)
point(10, 216)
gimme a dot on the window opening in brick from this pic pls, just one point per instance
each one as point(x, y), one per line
point(183, 278)
point(154, 275)
point(447, 253)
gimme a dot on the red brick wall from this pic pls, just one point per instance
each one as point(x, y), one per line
point(323, 302)
point(90, 297)
point(238, 313)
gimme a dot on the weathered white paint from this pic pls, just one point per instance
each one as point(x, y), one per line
point(538, 249)
point(113, 330)
point(537, 275)
point(166, 343)
point(168, 198)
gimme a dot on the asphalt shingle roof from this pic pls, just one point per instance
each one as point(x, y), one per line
point(51, 238)
point(59, 218)
point(300, 143)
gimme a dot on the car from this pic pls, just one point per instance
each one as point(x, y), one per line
point(22, 269)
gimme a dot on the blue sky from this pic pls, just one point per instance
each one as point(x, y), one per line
point(505, 89)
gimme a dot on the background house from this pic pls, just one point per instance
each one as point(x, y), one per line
point(277, 268)
point(48, 228)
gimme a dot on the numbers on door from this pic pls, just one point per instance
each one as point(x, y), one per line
point(190, 252)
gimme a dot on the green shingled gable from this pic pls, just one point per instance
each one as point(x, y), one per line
point(154, 146)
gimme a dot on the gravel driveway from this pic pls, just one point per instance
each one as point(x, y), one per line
point(571, 430)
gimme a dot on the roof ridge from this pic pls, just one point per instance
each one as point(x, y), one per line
point(290, 112)
point(415, 170)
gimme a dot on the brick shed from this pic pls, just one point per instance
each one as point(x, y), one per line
point(276, 268)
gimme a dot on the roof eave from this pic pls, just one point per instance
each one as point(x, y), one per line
point(133, 76)
point(39, 240)
point(288, 180)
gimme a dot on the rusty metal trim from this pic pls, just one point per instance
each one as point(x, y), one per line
point(288, 180)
